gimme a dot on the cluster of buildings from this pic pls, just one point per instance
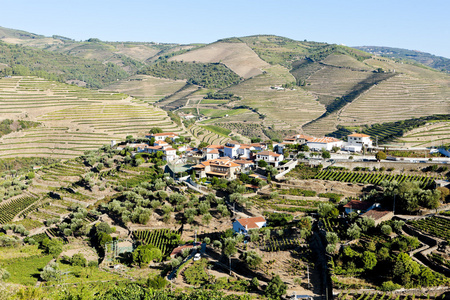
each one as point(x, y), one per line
point(224, 161)
point(227, 161)
point(355, 142)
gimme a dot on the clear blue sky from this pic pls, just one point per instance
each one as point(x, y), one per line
point(416, 25)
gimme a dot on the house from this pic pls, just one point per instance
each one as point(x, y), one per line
point(168, 153)
point(356, 142)
point(187, 116)
point(244, 225)
point(297, 139)
point(379, 215)
point(270, 157)
point(246, 165)
point(359, 206)
point(327, 143)
point(162, 136)
point(237, 150)
point(222, 167)
point(213, 152)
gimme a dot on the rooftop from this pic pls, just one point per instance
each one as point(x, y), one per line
point(251, 223)
point(359, 135)
point(268, 153)
point(358, 205)
point(377, 213)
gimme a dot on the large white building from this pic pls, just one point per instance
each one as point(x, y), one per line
point(325, 143)
point(356, 141)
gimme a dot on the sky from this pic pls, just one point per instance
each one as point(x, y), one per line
point(415, 25)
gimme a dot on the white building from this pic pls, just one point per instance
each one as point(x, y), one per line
point(356, 141)
point(168, 153)
point(327, 143)
point(244, 225)
point(270, 157)
point(241, 151)
point(162, 136)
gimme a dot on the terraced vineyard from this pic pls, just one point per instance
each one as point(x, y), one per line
point(12, 208)
point(207, 136)
point(431, 134)
point(73, 119)
point(284, 109)
point(147, 88)
point(331, 82)
point(398, 98)
point(164, 239)
point(371, 177)
point(436, 226)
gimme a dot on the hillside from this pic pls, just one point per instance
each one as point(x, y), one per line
point(71, 119)
point(439, 63)
point(24, 61)
point(277, 84)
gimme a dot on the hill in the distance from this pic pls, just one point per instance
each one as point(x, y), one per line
point(437, 62)
point(256, 86)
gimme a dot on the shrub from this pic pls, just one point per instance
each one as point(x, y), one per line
point(389, 286)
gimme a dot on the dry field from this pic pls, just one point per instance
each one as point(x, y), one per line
point(237, 56)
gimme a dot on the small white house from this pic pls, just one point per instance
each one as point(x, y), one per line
point(270, 157)
point(244, 225)
point(162, 136)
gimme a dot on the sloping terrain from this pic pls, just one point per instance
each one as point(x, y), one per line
point(72, 119)
point(147, 88)
point(413, 56)
point(237, 56)
point(285, 108)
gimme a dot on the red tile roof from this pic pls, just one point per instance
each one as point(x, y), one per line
point(358, 205)
point(324, 140)
point(377, 213)
point(268, 153)
point(164, 134)
point(359, 135)
point(251, 222)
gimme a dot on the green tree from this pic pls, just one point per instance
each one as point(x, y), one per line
point(328, 210)
point(144, 254)
point(326, 154)
point(276, 288)
point(157, 282)
point(51, 272)
point(386, 229)
point(202, 145)
point(78, 259)
point(369, 260)
point(229, 248)
point(251, 258)
point(354, 232)
point(262, 163)
point(380, 155)
point(52, 247)
point(155, 130)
